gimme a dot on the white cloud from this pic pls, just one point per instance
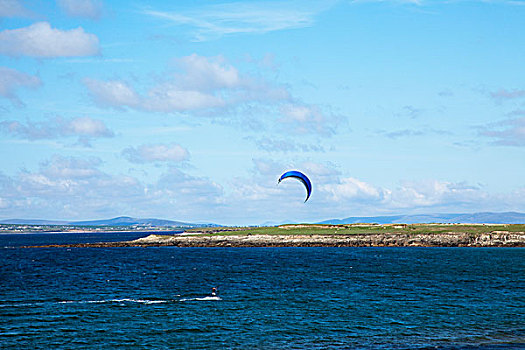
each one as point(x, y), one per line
point(81, 8)
point(202, 73)
point(410, 195)
point(156, 153)
point(71, 169)
point(40, 40)
point(170, 98)
point(353, 189)
point(214, 21)
point(436, 194)
point(113, 93)
point(166, 97)
point(85, 128)
point(11, 80)
point(13, 8)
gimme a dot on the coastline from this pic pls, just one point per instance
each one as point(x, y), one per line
point(249, 239)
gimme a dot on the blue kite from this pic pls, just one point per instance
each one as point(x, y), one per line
point(301, 177)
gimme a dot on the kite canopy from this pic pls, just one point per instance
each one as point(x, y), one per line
point(301, 177)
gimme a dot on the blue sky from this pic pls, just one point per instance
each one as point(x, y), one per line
point(192, 110)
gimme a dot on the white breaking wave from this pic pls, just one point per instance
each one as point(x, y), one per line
point(201, 299)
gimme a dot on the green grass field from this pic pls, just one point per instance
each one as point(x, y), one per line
point(353, 229)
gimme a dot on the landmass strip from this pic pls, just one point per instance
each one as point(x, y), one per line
point(354, 235)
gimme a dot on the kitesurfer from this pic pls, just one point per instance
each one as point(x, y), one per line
point(214, 292)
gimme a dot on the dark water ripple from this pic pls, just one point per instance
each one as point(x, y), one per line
point(271, 298)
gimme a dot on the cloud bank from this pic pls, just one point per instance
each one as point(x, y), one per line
point(78, 188)
point(211, 87)
point(72, 187)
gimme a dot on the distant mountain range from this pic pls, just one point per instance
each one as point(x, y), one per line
point(479, 218)
point(118, 221)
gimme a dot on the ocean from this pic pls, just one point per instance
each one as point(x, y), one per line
point(269, 298)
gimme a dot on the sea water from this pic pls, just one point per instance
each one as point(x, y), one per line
point(269, 298)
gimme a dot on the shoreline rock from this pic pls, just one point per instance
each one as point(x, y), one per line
point(463, 239)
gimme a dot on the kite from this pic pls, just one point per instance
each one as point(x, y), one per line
point(301, 177)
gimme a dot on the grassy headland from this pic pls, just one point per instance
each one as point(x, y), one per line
point(315, 235)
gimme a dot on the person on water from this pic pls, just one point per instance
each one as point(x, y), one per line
point(214, 292)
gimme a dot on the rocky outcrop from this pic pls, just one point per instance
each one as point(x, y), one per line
point(492, 239)
point(499, 239)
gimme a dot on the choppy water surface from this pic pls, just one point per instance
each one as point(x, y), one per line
point(270, 298)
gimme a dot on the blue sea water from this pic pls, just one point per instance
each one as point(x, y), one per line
point(270, 298)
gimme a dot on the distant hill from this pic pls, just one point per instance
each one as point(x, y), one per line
point(118, 221)
point(479, 218)
point(32, 222)
point(128, 221)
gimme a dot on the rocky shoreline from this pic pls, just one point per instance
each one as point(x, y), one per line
point(455, 239)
